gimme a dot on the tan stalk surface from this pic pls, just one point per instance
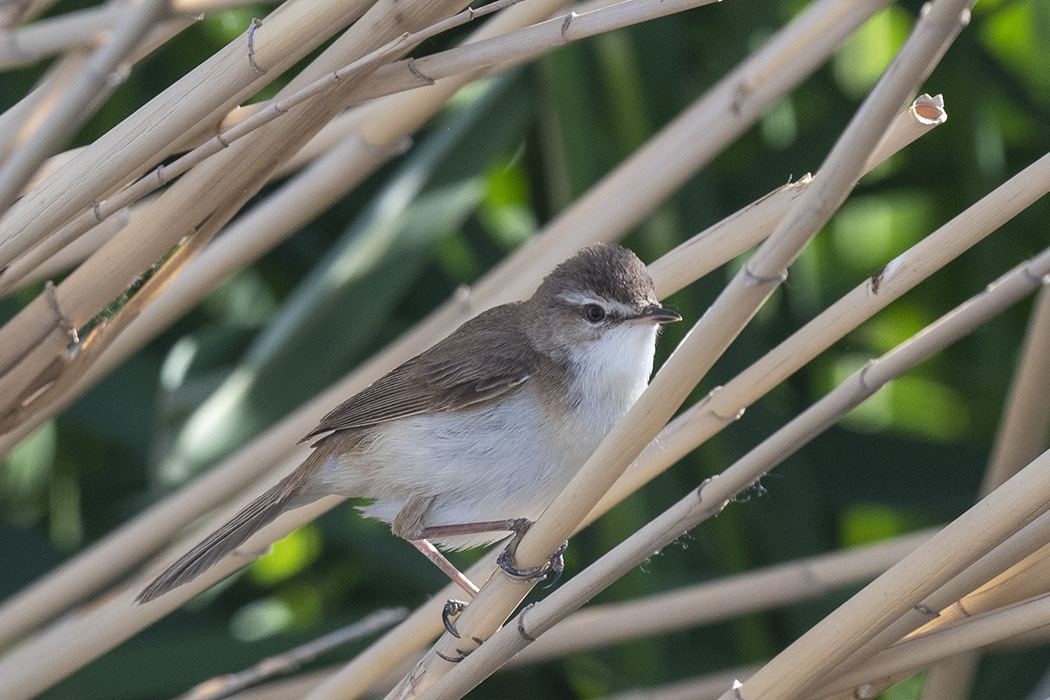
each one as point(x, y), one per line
point(74, 641)
point(892, 593)
point(703, 604)
point(1016, 547)
point(79, 28)
point(18, 122)
point(16, 125)
point(811, 37)
point(708, 339)
point(77, 251)
point(509, 47)
point(78, 101)
point(726, 403)
point(904, 659)
point(244, 166)
point(707, 687)
point(249, 171)
point(951, 678)
point(208, 91)
point(1020, 439)
point(604, 625)
point(1026, 422)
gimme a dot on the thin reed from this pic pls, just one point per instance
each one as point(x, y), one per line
point(218, 220)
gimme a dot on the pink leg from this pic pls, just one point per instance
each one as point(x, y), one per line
point(431, 553)
point(518, 526)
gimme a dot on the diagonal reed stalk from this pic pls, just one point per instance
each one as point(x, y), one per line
point(209, 91)
point(935, 561)
point(708, 339)
point(30, 339)
point(511, 48)
point(92, 82)
point(680, 270)
point(771, 72)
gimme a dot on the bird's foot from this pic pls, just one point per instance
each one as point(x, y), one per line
point(555, 563)
point(452, 608)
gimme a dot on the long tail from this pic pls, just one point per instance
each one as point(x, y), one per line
point(286, 494)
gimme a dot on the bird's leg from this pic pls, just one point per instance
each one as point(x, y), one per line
point(519, 526)
point(422, 535)
point(409, 525)
point(439, 559)
point(454, 607)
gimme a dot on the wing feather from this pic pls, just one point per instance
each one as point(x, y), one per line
point(476, 363)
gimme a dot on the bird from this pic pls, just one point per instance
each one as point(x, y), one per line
point(474, 437)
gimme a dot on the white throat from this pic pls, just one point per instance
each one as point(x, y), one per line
point(612, 372)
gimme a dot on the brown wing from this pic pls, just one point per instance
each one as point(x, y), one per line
point(476, 363)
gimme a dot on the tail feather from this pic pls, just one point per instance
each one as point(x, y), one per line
point(257, 514)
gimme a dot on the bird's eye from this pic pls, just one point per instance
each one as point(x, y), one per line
point(593, 313)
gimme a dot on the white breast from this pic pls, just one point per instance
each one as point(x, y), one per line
point(504, 459)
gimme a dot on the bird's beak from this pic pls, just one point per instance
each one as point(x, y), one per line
point(655, 314)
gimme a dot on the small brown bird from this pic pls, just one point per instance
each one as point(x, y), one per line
point(474, 437)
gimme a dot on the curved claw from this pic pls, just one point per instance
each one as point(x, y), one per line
point(555, 563)
point(454, 659)
point(452, 608)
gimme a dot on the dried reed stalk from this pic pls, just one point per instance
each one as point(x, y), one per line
point(773, 586)
point(904, 659)
point(951, 678)
point(705, 603)
point(91, 83)
point(713, 247)
point(44, 660)
point(16, 123)
point(920, 573)
point(1026, 419)
point(698, 351)
point(209, 91)
point(726, 403)
point(811, 37)
point(513, 48)
point(1003, 557)
point(242, 167)
point(292, 660)
point(80, 28)
point(706, 687)
point(507, 47)
point(75, 253)
point(1020, 439)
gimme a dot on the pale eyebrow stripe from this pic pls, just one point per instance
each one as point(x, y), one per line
point(582, 298)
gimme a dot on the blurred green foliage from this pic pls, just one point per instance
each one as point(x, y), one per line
point(496, 165)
